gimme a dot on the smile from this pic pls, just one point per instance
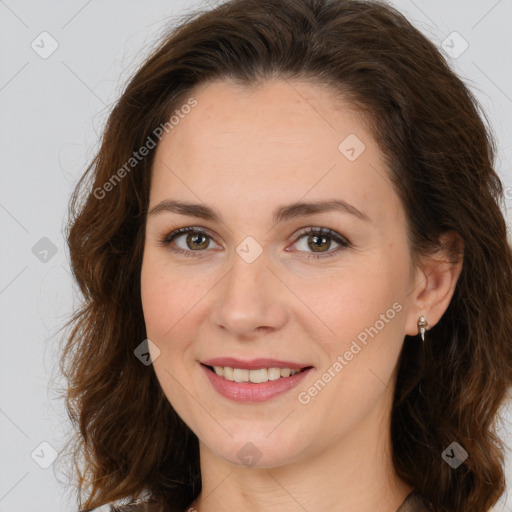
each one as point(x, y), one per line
point(255, 376)
point(255, 384)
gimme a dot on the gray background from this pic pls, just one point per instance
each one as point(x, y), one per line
point(52, 112)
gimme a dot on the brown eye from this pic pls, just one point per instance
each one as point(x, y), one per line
point(319, 241)
point(194, 241)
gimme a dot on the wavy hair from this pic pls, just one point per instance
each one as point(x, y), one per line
point(129, 442)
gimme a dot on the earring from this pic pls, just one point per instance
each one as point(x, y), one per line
point(422, 326)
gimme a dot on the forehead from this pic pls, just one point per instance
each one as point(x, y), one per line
point(280, 140)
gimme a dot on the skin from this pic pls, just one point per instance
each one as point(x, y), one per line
point(244, 151)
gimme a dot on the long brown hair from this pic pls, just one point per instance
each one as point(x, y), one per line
point(430, 128)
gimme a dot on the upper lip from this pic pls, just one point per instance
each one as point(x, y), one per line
point(253, 364)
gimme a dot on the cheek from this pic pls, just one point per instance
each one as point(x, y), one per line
point(360, 318)
point(163, 295)
point(171, 307)
point(348, 300)
point(174, 305)
point(165, 304)
point(365, 319)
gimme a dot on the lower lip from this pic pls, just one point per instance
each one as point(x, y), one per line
point(251, 392)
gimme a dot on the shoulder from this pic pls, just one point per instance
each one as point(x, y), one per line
point(138, 507)
point(414, 503)
point(143, 506)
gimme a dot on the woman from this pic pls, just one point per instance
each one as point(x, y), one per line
point(296, 274)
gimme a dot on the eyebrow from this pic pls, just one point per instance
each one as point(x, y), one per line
point(281, 214)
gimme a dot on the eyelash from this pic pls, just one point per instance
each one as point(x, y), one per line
point(328, 233)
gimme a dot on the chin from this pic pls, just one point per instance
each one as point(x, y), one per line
point(258, 447)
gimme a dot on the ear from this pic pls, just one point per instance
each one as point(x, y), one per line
point(434, 283)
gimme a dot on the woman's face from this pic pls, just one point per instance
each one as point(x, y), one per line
point(252, 290)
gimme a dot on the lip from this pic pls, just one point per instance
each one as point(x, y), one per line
point(253, 364)
point(250, 392)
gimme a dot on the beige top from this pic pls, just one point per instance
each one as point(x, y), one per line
point(413, 503)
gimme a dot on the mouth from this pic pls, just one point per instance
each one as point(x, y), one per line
point(255, 376)
point(253, 381)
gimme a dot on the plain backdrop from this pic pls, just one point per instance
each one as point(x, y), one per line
point(63, 65)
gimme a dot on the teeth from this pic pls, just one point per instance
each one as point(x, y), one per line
point(240, 375)
point(274, 373)
point(256, 376)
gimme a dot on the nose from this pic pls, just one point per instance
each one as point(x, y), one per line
point(250, 300)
